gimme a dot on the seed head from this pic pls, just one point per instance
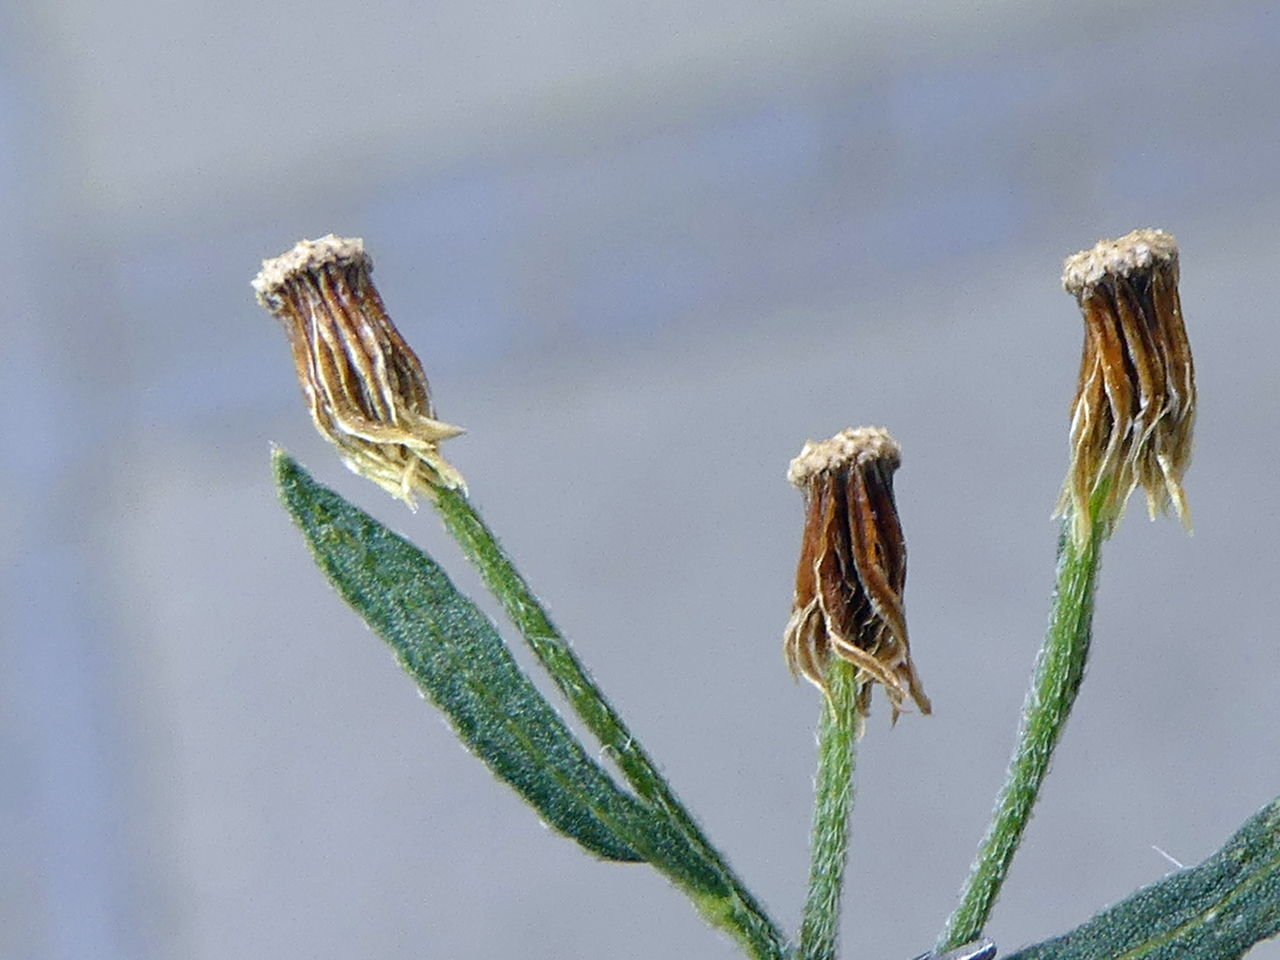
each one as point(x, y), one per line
point(853, 567)
point(365, 388)
point(1135, 406)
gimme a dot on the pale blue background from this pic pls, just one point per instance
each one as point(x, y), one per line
point(645, 251)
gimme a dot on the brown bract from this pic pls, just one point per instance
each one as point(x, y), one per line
point(365, 388)
point(1134, 412)
point(853, 567)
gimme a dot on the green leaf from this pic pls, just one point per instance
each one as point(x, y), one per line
point(1215, 911)
point(459, 661)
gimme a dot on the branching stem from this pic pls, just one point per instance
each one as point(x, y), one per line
point(740, 915)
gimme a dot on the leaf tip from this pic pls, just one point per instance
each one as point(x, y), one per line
point(283, 466)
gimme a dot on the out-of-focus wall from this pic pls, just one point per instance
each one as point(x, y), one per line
point(644, 254)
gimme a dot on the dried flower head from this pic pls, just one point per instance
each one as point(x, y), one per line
point(365, 388)
point(1135, 407)
point(853, 567)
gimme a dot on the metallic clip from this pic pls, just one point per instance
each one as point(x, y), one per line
point(983, 949)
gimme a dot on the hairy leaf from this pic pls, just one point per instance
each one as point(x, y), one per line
point(1214, 911)
point(457, 658)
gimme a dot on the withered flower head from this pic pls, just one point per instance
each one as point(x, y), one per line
point(1135, 407)
point(853, 567)
point(365, 388)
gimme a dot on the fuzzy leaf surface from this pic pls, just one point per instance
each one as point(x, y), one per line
point(1214, 911)
point(456, 656)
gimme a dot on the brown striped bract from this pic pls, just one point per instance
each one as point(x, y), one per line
point(364, 386)
point(853, 568)
point(1134, 412)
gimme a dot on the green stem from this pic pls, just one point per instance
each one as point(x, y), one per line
point(820, 927)
point(1058, 674)
point(740, 915)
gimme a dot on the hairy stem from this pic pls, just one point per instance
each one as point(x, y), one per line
point(1058, 674)
point(820, 927)
point(740, 915)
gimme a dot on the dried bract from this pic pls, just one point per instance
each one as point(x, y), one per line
point(365, 388)
point(1134, 411)
point(853, 567)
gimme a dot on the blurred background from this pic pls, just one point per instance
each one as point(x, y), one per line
point(644, 251)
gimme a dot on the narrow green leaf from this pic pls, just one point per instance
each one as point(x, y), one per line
point(1215, 911)
point(457, 658)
